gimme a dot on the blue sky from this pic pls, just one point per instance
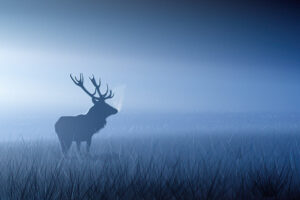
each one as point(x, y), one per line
point(158, 56)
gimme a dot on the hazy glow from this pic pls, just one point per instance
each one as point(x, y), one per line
point(118, 99)
point(183, 58)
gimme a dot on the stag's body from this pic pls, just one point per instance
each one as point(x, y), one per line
point(77, 129)
point(81, 128)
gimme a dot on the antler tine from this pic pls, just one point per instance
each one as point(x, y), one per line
point(111, 95)
point(92, 79)
point(80, 84)
point(74, 80)
point(105, 96)
point(94, 93)
point(95, 83)
point(106, 91)
point(97, 86)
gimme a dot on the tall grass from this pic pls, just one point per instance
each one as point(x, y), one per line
point(166, 167)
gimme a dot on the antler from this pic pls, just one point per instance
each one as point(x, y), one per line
point(80, 84)
point(97, 88)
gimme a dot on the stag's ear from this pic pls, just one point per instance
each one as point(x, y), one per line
point(94, 101)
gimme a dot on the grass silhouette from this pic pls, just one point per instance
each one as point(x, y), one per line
point(165, 167)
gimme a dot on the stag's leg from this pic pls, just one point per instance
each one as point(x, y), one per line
point(65, 146)
point(88, 145)
point(78, 143)
point(62, 144)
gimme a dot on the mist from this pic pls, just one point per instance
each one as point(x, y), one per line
point(204, 100)
point(159, 58)
point(183, 58)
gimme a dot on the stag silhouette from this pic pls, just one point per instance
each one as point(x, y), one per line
point(81, 128)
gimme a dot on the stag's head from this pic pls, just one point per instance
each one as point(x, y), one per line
point(100, 108)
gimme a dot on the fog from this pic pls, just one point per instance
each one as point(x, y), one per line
point(205, 105)
point(168, 60)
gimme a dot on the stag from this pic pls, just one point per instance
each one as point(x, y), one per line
point(81, 128)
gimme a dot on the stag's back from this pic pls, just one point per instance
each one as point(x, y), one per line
point(72, 127)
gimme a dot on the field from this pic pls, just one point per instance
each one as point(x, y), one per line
point(166, 166)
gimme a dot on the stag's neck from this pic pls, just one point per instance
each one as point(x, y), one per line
point(97, 122)
point(94, 118)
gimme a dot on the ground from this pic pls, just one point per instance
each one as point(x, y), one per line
point(169, 166)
